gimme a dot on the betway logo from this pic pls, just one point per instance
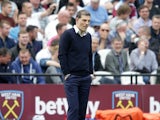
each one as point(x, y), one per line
point(154, 105)
point(60, 106)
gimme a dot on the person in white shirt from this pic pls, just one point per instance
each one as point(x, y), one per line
point(62, 17)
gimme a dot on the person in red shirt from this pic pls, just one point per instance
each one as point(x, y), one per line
point(6, 10)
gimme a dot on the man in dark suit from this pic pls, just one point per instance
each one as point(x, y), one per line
point(117, 60)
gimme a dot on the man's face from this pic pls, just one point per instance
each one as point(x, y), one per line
point(95, 45)
point(71, 10)
point(94, 5)
point(143, 45)
point(24, 57)
point(144, 13)
point(28, 9)
point(5, 59)
point(156, 23)
point(104, 30)
point(140, 32)
point(22, 19)
point(83, 23)
point(7, 9)
point(117, 45)
point(33, 34)
point(5, 29)
point(65, 18)
point(24, 38)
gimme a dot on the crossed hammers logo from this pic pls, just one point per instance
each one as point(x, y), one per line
point(120, 104)
point(10, 108)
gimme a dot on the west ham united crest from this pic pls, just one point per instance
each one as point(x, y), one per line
point(11, 104)
point(124, 99)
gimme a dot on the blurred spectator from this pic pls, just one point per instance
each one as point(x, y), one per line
point(133, 12)
point(143, 60)
point(71, 9)
point(103, 35)
point(14, 10)
point(54, 68)
point(145, 32)
point(123, 13)
point(6, 10)
point(44, 57)
point(21, 26)
point(76, 4)
point(122, 31)
point(143, 20)
point(117, 60)
point(97, 66)
point(33, 42)
point(5, 66)
point(62, 17)
point(37, 8)
point(153, 9)
point(155, 28)
point(118, 4)
point(5, 41)
point(24, 63)
point(19, 3)
point(35, 18)
point(98, 13)
point(23, 40)
point(60, 28)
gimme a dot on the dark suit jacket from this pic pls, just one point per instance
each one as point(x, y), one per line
point(112, 64)
point(97, 63)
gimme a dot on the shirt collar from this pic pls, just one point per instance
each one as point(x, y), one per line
point(116, 54)
point(78, 31)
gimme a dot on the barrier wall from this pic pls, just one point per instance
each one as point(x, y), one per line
point(22, 102)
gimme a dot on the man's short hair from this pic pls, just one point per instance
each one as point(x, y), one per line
point(5, 2)
point(24, 50)
point(124, 9)
point(82, 12)
point(146, 29)
point(2, 22)
point(21, 13)
point(31, 28)
point(59, 26)
point(69, 4)
point(22, 32)
point(4, 52)
point(142, 7)
point(116, 39)
point(156, 16)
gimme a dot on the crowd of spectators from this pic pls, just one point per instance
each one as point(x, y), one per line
point(30, 31)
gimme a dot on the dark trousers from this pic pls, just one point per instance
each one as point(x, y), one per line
point(77, 91)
